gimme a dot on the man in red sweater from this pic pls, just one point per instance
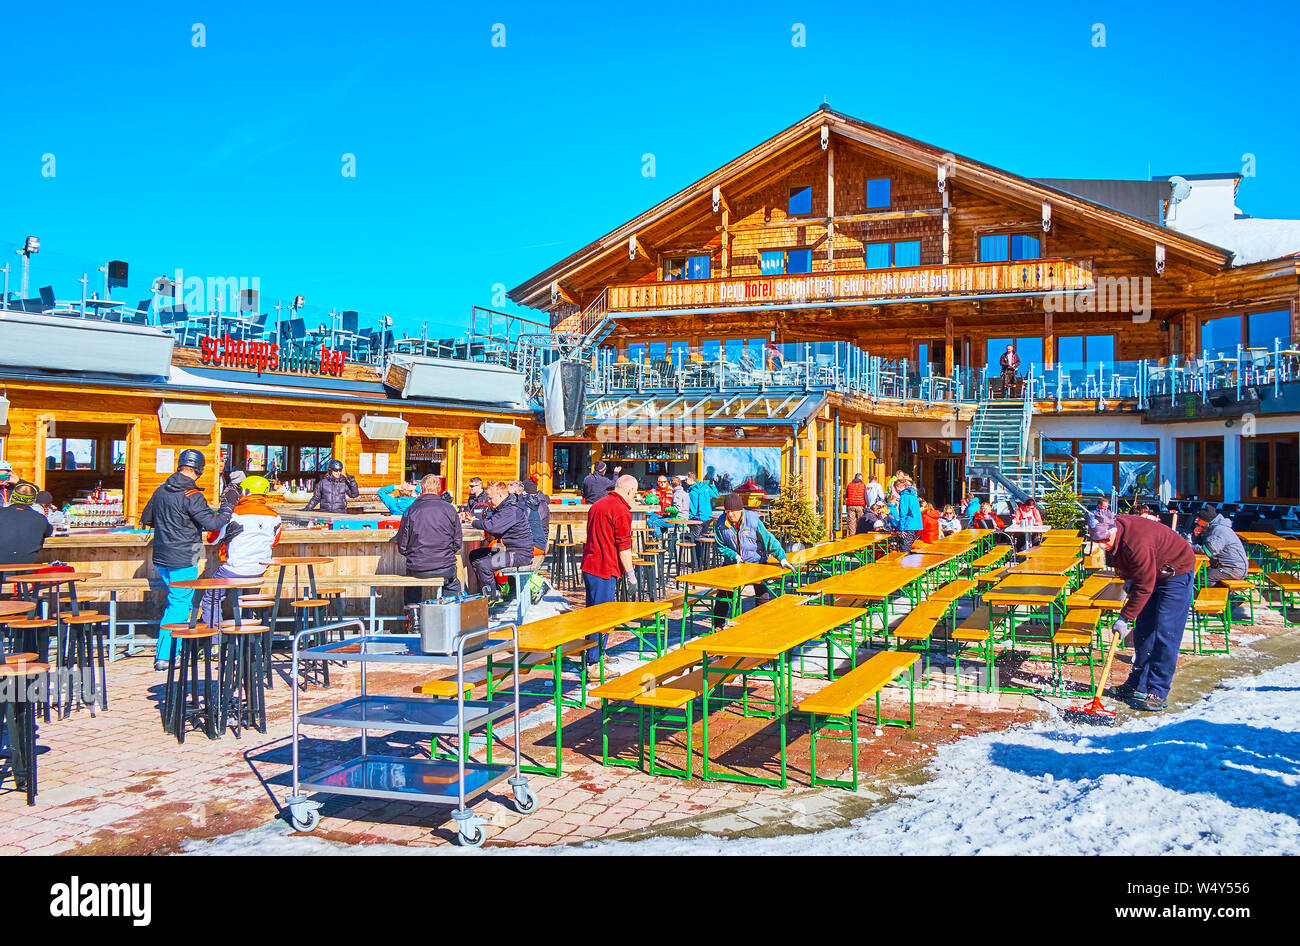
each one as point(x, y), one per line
point(1159, 566)
point(608, 550)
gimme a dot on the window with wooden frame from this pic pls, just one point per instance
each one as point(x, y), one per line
point(1258, 330)
point(776, 262)
point(1130, 467)
point(1270, 468)
point(1200, 467)
point(890, 254)
point(695, 266)
point(877, 193)
point(800, 203)
point(1007, 246)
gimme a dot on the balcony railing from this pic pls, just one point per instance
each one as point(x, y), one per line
point(859, 285)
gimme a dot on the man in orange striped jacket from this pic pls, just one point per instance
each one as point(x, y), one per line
point(243, 543)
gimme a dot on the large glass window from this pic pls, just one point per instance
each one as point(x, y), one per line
point(1220, 337)
point(1262, 328)
point(907, 253)
point(1270, 468)
point(1200, 468)
point(1131, 467)
point(686, 267)
point(798, 261)
point(1028, 348)
point(1085, 349)
point(711, 349)
point(681, 353)
point(70, 454)
point(877, 193)
point(735, 347)
point(800, 201)
point(772, 262)
point(636, 352)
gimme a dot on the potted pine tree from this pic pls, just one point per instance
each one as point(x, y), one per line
point(792, 520)
point(1061, 504)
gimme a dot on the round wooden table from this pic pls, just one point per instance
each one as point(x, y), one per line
point(10, 608)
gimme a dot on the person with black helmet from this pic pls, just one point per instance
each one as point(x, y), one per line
point(179, 515)
point(333, 490)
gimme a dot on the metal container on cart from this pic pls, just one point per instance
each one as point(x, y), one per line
point(455, 784)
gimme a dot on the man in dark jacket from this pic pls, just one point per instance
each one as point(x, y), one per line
point(1009, 363)
point(179, 515)
point(507, 522)
point(23, 530)
point(538, 506)
point(1158, 565)
point(596, 486)
point(333, 490)
point(430, 538)
point(478, 498)
point(1227, 555)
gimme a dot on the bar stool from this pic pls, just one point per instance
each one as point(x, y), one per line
point(335, 598)
point(685, 562)
point(707, 549)
point(84, 644)
point(308, 613)
point(181, 695)
point(243, 694)
point(647, 578)
point(563, 557)
point(260, 606)
point(18, 680)
point(33, 635)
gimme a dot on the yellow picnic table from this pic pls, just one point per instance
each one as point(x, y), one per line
point(1037, 594)
point(558, 634)
point(769, 636)
point(878, 584)
point(725, 578)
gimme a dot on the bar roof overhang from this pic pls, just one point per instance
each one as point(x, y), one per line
point(730, 409)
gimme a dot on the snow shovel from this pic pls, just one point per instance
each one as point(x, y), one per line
point(1094, 712)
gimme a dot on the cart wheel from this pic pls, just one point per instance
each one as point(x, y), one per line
point(525, 802)
point(472, 840)
point(304, 818)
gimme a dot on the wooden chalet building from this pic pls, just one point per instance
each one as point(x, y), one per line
point(834, 298)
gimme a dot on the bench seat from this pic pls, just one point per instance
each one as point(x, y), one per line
point(478, 677)
point(858, 685)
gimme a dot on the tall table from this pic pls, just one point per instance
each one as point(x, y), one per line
point(768, 636)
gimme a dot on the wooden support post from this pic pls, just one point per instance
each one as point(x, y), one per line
point(1049, 338)
point(947, 343)
point(830, 207)
point(726, 242)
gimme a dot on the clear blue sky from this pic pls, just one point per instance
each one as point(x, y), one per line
point(479, 165)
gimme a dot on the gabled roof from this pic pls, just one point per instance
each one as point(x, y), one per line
point(901, 147)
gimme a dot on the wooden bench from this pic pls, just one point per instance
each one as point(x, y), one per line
point(658, 696)
point(836, 704)
point(915, 632)
point(975, 635)
point(1287, 588)
point(1072, 640)
point(989, 559)
point(1211, 606)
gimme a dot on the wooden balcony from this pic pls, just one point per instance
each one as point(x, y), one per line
point(868, 286)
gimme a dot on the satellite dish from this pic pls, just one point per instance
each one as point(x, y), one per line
point(1181, 188)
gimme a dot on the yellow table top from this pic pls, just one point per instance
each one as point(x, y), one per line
point(560, 629)
point(861, 540)
point(1026, 589)
point(731, 577)
point(815, 554)
point(917, 558)
point(768, 635)
point(1054, 551)
point(873, 582)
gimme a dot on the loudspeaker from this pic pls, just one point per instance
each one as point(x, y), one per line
point(117, 273)
point(248, 300)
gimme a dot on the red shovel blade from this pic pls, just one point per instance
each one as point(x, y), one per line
point(1094, 707)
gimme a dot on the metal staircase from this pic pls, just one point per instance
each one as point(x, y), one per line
point(998, 447)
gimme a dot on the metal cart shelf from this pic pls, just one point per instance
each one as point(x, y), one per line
point(432, 781)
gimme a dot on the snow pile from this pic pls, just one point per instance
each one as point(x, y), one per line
point(1251, 239)
point(1222, 777)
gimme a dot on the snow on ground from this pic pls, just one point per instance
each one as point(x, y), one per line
point(1222, 777)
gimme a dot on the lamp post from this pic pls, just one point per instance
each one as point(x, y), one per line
point(85, 278)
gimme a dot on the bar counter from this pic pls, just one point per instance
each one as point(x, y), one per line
point(124, 557)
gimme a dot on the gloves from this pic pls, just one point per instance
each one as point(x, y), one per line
point(788, 567)
point(632, 583)
point(1123, 629)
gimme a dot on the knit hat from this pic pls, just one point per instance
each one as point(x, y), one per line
point(600, 467)
point(24, 494)
point(236, 477)
point(530, 486)
point(733, 502)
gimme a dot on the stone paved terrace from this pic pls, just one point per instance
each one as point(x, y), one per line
point(116, 783)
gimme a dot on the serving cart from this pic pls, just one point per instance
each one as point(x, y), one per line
point(455, 784)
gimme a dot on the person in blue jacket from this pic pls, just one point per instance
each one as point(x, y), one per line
point(909, 514)
point(972, 509)
point(741, 536)
point(702, 493)
point(395, 502)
